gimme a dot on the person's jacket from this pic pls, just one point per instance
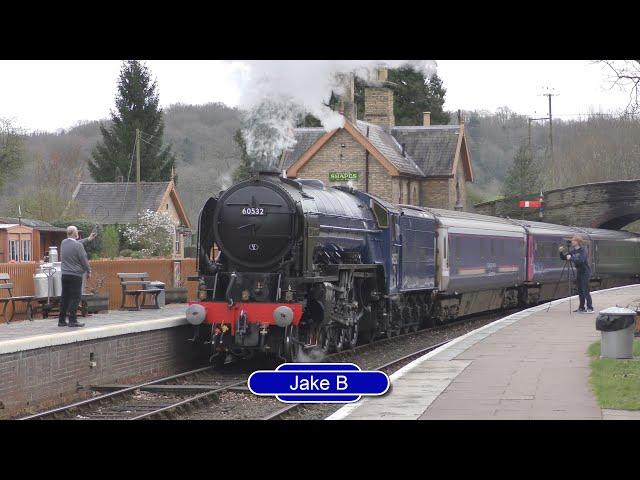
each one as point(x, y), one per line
point(580, 258)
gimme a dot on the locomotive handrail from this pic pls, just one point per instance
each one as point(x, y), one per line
point(349, 229)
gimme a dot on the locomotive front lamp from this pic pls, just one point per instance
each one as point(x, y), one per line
point(196, 314)
point(245, 295)
point(283, 316)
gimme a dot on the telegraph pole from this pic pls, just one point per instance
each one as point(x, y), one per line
point(549, 95)
point(533, 120)
point(138, 172)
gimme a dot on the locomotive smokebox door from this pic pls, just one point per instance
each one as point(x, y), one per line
point(259, 224)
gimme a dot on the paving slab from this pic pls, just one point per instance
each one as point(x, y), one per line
point(27, 335)
point(530, 365)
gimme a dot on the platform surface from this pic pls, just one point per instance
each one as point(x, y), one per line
point(531, 365)
point(27, 335)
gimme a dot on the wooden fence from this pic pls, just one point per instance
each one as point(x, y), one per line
point(104, 275)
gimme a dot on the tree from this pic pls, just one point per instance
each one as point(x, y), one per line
point(48, 197)
point(627, 75)
point(11, 151)
point(413, 94)
point(243, 171)
point(523, 176)
point(137, 104)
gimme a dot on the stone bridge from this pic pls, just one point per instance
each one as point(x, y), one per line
point(611, 205)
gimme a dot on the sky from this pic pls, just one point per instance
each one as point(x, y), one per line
point(52, 94)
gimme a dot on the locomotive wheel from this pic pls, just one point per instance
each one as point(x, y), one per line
point(353, 337)
point(292, 349)
point(340, 339)
point(324, 342)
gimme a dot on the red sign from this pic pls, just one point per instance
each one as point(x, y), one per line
point(530, 204)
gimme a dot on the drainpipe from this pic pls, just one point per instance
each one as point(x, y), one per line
point(366, 167)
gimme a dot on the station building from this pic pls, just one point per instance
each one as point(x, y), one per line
point(423, 165)
point(115, 203)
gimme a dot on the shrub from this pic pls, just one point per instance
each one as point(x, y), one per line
point(126, 252)
point(85, 227)
point(137, 255)
point(110, 241)
point(152, 235)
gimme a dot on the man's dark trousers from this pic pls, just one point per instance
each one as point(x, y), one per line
point(582, 282)
point(71, 293)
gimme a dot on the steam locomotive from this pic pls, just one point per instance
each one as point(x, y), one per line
point(301, 265)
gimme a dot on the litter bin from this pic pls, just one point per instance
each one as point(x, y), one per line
point(161, 295)
point(616, 326)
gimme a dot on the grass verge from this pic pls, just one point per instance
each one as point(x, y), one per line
point(616, 383)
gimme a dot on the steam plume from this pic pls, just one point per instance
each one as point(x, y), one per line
point(275, 93)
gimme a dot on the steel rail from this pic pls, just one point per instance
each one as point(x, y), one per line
point(105, 396)
point(290, 408)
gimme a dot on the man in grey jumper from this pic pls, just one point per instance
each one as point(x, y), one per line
point(74, 265)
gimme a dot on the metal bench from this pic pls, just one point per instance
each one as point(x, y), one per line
point(6, 286)
point(137, 280)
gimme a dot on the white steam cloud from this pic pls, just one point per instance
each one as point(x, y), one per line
point(275, 93)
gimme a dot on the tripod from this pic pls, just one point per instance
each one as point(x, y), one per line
point(568, 268)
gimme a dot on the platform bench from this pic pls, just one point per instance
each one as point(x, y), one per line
point(6, 286)
point(129, 282)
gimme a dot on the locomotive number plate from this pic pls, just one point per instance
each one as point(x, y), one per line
point(253, 211)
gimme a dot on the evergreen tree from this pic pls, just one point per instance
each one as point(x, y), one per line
point(11, 151)
point(137, 105)
point(243, 171)
point(413, 94)
point(523, 176)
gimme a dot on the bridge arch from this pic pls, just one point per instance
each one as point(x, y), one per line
point(611, 205)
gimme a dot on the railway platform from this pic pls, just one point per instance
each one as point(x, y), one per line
point(532, 365)
point(42, 365)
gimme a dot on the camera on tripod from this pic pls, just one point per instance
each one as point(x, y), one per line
point(566, 247)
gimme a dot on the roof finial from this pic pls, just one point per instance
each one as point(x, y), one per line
point(173, 173)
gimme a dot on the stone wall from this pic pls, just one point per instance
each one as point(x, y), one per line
point(328, 159)
point(602, 205)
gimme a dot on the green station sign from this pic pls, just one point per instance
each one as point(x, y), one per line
point(343, 176)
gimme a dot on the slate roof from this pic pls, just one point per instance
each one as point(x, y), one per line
point(115, 202)
point(432, 148)
point(390, 148)
point(305, 137)
point(429, 151)
point(27, 222)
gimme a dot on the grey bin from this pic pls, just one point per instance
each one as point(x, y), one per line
point(161, 295)
point(616, 326)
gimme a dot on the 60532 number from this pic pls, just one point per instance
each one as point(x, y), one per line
point(252, 211)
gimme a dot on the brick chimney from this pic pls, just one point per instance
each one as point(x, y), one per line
point(378, 102)
point(426, 119)
point(460, 117)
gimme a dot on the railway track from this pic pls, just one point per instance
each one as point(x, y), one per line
point(179, 395)
point(163, 397)
point(399, 362)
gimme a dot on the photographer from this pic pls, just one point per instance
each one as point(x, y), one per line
point(579, 256)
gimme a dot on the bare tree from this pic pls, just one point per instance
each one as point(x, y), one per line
point(626, 74)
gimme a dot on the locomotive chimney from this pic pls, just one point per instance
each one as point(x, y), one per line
point(426, 119)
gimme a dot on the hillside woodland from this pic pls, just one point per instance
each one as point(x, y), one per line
point(595, 148)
